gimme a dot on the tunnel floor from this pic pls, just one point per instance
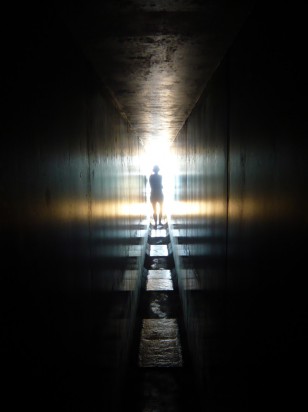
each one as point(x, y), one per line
point(160, 376)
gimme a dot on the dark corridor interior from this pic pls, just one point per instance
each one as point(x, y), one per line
point(95, 93)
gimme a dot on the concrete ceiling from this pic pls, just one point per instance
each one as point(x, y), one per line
point(156, 56)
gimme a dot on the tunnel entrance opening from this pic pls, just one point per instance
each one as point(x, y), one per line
point(158, 152)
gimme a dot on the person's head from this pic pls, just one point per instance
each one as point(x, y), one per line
point(155, 169)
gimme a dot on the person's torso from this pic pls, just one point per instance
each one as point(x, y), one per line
point(156, 183)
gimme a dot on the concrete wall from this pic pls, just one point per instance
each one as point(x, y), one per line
point(72, 229)
point(239, 233)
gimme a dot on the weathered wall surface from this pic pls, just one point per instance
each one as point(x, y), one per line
point(72, 233)
point(239, 238)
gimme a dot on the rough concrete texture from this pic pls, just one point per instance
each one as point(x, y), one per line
point(145, 53)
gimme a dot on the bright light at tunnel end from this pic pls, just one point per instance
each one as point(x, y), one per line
point(157, 152)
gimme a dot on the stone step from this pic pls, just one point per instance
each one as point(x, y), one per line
point(160, 344)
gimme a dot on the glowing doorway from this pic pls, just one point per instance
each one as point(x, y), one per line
point(158, 153)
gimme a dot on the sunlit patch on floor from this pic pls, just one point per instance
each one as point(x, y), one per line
point(159, 280)
point(160, 345)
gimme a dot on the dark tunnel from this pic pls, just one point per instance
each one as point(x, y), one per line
point(93, 95)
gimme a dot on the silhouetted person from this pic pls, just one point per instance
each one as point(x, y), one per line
point(157, 196)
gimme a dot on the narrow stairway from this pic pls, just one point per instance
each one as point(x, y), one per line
point(160, 375)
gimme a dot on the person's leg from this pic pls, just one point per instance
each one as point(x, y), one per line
point(154, 205)
point(160, 212)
